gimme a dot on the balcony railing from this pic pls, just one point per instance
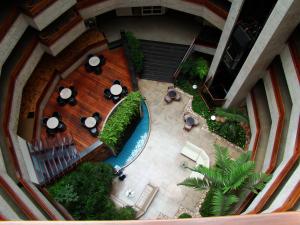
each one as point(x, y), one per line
point(33, 7)
point(59, 27)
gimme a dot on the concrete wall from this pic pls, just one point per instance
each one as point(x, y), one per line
point(279, 26)
point(66, 39)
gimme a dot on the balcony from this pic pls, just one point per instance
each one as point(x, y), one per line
point(33, 7)
point(59, 27)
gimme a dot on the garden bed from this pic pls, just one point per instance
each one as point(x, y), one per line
point(230, 130)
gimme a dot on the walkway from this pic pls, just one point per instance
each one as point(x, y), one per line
point(160, 162)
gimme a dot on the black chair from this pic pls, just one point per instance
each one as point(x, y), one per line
point(60, 88)
point(97, 117)
point(72, 101)
point(102, 59)
point(82, 120)
point(94, 131)
point(97, 70)
point(61, 101)
point(57, 115)
point(88, 68)
point(61, 127)
point(117, 82)
point(124, 91)
point(74, 91)
point(107, 94)
point(50, 132)
point(116, 99)
point(44, 121)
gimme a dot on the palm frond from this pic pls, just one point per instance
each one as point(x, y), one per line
point(195, 183)
point(222, 203)
point(223, 159)
point(213, 175)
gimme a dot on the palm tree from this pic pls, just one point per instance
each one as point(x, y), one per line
point(226, 181)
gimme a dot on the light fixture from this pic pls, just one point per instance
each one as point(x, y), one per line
point(213, 117)
point(195, 86)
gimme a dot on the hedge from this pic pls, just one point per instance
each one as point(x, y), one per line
point(119, 125)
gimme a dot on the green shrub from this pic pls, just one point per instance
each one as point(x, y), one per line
point(184, 216)
point(85, 193)
point(135, 50)
point(118, 124)
point(195, 68)
point(231, 115)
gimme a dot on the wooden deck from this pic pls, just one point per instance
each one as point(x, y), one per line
point(90, 97)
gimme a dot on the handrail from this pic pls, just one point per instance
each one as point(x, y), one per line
point(187, 54)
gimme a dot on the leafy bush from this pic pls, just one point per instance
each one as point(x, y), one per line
point(230, 130)
point(135, 50)
point(226, 181)
point(231, 115)
point(120, 122)
point(85, 193)
point(184, 216)
point(195, 68)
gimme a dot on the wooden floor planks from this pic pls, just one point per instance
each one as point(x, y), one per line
point(90, 97)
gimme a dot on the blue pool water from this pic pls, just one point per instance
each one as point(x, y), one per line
point(135, 144)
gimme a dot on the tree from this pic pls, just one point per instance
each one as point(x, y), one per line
point(85, 192)
point(226, 181)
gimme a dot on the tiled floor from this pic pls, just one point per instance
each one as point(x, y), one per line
point(160, 161)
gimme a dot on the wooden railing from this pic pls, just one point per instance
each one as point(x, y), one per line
point(34, 7)
point(185, 57)
point(59, 27)
point(209, 97)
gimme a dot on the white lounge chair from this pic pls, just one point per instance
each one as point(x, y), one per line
point(196, 154)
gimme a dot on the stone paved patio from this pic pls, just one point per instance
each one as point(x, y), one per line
point(160, 161)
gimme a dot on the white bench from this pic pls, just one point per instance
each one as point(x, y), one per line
point(196, 154)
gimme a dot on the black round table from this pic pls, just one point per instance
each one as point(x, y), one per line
point(172, 94)
point(190, 121)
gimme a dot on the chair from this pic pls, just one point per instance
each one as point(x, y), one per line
point(74, 91)
point(167, 99)
point(94, 131)
point(187, 127)
point(107, 94)
point(50, 132)
point(97, 116)
point(60, 88)
point(116, 99)
point(61, 127)
point(196, 122)
point(186, 115)
point(124, 91)
point(178, 97)
point(97, 70)
point(57, 115)
point(60, 101)
point(102, 59)
point(88, 68)
point(44, 121)
point(72, 101)
point(117, 82)
point(82, 120)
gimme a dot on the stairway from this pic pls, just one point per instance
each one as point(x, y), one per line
point(161, 60)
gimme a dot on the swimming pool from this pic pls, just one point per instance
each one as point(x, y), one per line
point(135, 144)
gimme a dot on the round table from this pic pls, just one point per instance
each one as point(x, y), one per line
point(52, 123)
point(172, 94)
point(90, 122)
point(190, 121)
point(94, 61)
point(65, 93)
point(116, 89)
